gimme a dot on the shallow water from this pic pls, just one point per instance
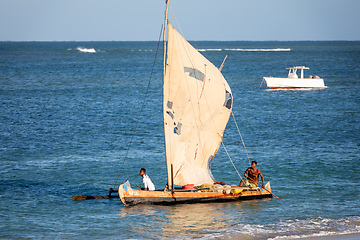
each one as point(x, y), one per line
point(67, 118)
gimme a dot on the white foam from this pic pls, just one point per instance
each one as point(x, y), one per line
point(314, 235)
point(247, 49)
point(86, 50)
point(315, 227)
point(294, 229)
point(260, 49)
point(210, 49)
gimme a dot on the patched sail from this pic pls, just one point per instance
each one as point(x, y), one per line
point(197, 105)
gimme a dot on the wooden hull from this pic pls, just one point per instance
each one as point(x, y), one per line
point(131, 197)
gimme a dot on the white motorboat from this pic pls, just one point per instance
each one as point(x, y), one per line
point(293, 81)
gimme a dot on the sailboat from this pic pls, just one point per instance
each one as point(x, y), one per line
point(197, 104)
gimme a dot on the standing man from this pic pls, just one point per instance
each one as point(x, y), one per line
point(148, 184)
point(252, 174)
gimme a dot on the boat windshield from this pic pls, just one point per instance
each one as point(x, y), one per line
point(292, 73)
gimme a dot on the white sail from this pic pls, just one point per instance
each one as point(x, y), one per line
point(197, 105)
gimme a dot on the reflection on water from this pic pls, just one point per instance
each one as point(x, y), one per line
point(195, 218)
point(188, 220)
point(236, 220)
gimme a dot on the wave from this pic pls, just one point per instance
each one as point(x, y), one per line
point(294, 229)
point(143, 50)
point(210, 49)
point(86, 50)
point(248, 49)
point(92, 50)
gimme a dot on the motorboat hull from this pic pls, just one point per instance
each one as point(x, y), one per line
point(288, 83)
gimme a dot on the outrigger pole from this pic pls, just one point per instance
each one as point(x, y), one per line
point(86, 197)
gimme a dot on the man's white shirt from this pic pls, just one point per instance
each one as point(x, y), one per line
point(148, 185)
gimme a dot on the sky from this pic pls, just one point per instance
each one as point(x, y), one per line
point(141, 20)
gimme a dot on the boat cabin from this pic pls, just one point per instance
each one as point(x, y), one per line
point(293, 70)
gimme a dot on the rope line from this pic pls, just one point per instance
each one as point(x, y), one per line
point(175, 20)
point(222, 143)
point(242, 140)
point(261, 83)
point(142, 106)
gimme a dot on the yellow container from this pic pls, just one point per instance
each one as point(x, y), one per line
point(236, 190)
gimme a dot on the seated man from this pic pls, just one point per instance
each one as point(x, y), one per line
point(148, 185)
point(252, 174)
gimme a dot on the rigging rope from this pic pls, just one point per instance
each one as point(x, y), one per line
point(242, 143)
point(222, 143)
point(175, 20)
point(142, 106)
point(242, 140)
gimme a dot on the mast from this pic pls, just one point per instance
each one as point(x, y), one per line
point(164, 37)
point(169, 172)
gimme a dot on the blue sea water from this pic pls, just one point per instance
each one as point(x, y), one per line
point(67, 118)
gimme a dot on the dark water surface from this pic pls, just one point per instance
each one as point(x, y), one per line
point(67, 118)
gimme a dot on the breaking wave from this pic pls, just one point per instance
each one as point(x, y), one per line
point(86, 50)
point(248, 49)
point(210, 49)
point(293, 229)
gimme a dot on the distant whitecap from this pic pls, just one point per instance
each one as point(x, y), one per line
point(87, 50)
point(211, 49)
point(248, 49)
point(260, 49)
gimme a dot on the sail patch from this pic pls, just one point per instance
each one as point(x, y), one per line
point(210, 159)
point(177, 129)
point(228, 100)
point(171, 114)
point(195, 73)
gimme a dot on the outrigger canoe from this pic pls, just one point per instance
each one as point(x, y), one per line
point(215, 193)
point(197, 104)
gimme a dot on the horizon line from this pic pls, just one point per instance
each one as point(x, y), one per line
point(187, 40)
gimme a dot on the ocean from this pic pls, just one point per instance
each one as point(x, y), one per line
point(68, 115)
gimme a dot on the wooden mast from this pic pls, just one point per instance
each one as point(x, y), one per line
point(169, 171)
point(164, 37)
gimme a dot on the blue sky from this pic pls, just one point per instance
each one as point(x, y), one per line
point(139, 20)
